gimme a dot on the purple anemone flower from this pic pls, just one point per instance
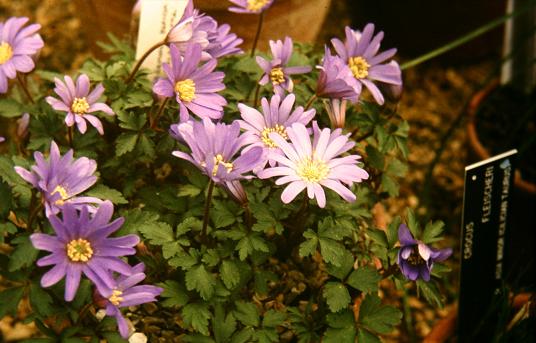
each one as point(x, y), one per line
point(277, 116)
point(336, 80)
point(126, 292)
point(250, 6)
point(336, 109)
point(360, 51)
point(194, 87)
point(415, 258)
point(82, 246)
point(214, 147)
point(276, 70)
point(17, 46)
point(78, 102)
point(61, 178)
point(315, 164)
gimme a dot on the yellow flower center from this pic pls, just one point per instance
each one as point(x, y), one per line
point(185, 89)
point(63, 194)
point(265, 135)
point(256, 5)
point(80, 106)
point(6, 51)
point(218, 160)
point(312, 170)
point(277, 76)
point(116, 298)
point(359, 67)
point(79, 250)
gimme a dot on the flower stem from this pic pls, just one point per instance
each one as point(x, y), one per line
point(256, 99)
point(249, 218)
point(466, 38)
point(70, 136)
point(140, 61)
point(257, 34)
point(310, 102)
point(158, 114)
point(207, 210)
point(34, 210)
point(25, 89)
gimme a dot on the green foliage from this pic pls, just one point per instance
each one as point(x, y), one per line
point(377, 318)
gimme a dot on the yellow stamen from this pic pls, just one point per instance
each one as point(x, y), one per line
point(185, 89)
point(116, 298)
point(265, 135)
point(63, 194)
point(312, 170)
point(218, 159)
point(359, 67)
point(256, 5)
point(79, 250)
point(80, 106)
point(277, 76)
point(6, 52)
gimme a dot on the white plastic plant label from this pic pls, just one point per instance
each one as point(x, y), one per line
point(157, 17)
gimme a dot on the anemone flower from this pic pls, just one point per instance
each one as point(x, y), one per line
point(336, 80)
point(82, 246)
point(22, 125)
point(79, 102)
point(126, 292)
point(214, 148)
point(336, 109)
point(250, 6)
point(313, 165)
point(360, 51)
point(415, 258)
point(194, 87)
point(277, 116)
point(276, 70)
point(17, 46)
point(60, 179)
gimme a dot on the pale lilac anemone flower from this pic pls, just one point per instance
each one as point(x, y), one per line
point(214, 147)
point(250, 6)
point(313, 165)
point(415, 258)
point(79, 102)
point(336, 109)
point(126, 292)
point(194, 87)
point(60, 179)
point(336, 80)
point(276, 70)
point(82, 246)
point(360, 52)
point(17, 46)
point(277, 115)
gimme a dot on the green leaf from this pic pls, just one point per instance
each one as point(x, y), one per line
point(247, 313)
point(308, 247)
point(378, 236)
point(24, 254)
point(341, 328)
point(125, 142)
point(188, 191)
point(200, 280)
point(397, 168)
point(332, 251)
point(364, 336)
point(430, 293)
point(106, 193)
point(375, 157)
point(6, 199)
point(197, 315)
point(377, 318)
point(10, 108)
point(146, 146)
point(224, 326)
point(6, 228)
point(342, 271)
point(40, 300)
point(113, 337)
point(250, 243)
point(9, 301)
point(365, 279)
point(243, 335)
point(273, 318)
point(432, 231)
point(392, 232)
point(230, 274)
point(174, 294)
point(221, 215)
point(131, 121)
point(157, 233)
point(413, 224)
point(336, 295)
point(389, 185)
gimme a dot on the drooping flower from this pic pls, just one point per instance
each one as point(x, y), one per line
point(336, 80)
point(313, 165)
point(17, 46)
point(126, 292)
point(60, 179)
point(82, 246)
point(415, 258)
point(79, 102)
point(221, 42)
point(276, 70)
point(213, 148)
point(22, 125)
point(250, 6)
point(277, 116)
point(194, 87)
point(360, 51)
point(336, 109)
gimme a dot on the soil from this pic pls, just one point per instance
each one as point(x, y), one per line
point(434, 95)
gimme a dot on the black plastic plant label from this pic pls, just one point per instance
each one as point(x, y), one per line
point(485, 228)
